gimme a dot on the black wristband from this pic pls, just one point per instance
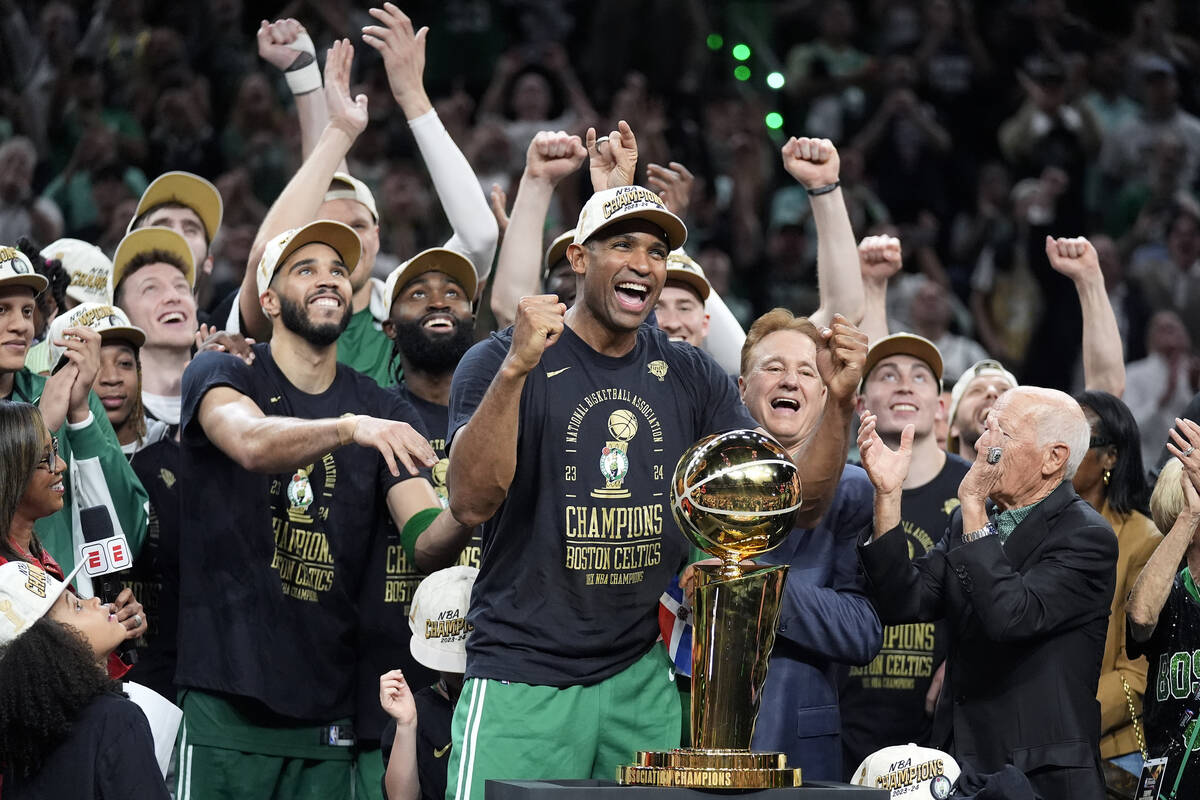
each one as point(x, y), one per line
point(823, 189)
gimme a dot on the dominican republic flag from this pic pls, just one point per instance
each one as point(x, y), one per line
point(675, 623)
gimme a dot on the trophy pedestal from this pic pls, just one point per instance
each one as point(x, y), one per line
point(709, 769)
point(609, 790)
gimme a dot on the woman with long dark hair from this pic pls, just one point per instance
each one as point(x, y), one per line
point(66, 730)
point(1112, 479)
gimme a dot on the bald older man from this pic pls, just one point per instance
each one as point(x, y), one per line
point(1024, 581)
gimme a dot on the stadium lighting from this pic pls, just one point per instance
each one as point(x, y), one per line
point(774, 120)
point(741, 72)
point(775, 80)
point(741, 52)
point(715, 41)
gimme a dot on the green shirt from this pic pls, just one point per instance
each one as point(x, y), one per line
point(94, 461)
point(1008, 520)
point(365, 347)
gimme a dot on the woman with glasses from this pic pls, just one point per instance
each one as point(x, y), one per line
point(31, 488)
point(1112, 479)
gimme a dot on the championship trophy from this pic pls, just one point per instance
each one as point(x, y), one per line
point(735, 496)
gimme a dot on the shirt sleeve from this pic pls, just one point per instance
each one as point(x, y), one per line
point(471, 381)
point(398, 408)
point(209, 370)
point(721, 407)
point(1167, 619)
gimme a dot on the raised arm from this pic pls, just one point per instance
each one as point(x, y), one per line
point(458, 189)
point(1154, 584)
point(258, 443)
point(1103, 356)
point(429, 534)
point(401, 779)
point(483, 453)
point(821, 458)
point(551, 157)
point(879, 258)
point(814, 164)
point(300, 200)
point(286, 45)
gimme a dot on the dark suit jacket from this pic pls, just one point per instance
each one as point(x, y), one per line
point(826, 619)
point(1027, 622)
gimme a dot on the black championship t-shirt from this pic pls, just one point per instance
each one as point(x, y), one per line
point(271, 565)
point(883, 703)
point(576, 557)
point(1172, 679)
point(154, 576)
point(389, 586)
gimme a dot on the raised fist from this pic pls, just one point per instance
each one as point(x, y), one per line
point(553, 155)
point(812, 162)
point(1074, 258)
point(879, 258)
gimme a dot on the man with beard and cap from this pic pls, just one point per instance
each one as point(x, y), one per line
point(306, 456)
point(322, 189)
point(431, 326)
point(564, 429)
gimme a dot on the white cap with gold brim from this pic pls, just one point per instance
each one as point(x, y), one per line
point(435, 259)
point(337, 235)
point(108, 320)
point(628, 202)
point(145, 240)
point(186, 189)
point(346, 187)
point(683, 268)
point(16, 270)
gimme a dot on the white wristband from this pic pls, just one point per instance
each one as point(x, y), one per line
point(307, 77)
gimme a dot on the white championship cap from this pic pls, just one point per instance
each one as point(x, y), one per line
point(108, 320)
point(438, 619)
point(909, 771)
point(347, 187)
point(86, 264)
point(683, 268)
point(628, 202)
point(26, 593)
point(16, 270)
point(145, 240)
point(341, 238)
point(988, 367)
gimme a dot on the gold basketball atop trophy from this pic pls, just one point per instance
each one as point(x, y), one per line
point(735, 494)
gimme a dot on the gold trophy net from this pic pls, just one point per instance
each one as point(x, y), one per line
point(735, 496)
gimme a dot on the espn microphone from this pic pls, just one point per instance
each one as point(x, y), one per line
point(96, 526)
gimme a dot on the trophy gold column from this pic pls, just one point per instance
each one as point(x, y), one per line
point(735, 496)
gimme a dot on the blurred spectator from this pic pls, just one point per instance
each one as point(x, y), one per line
point(1142, 210)
point(21, 211)
point(1126, 297)
point(254, 139)
point(1159, 386)
point(1171, 279)
point(905, 146)
point(1106, 98)
point(979, 233)
point(92, 183)
point(828, 74)
point(953, 64)
point(182, 136)
point(534, 89)
point(85, 110)
point(930, 314)
point(1128, 150)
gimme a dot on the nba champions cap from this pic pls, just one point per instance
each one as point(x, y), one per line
point(628, 202)
point(438, 619)
point(909, 771)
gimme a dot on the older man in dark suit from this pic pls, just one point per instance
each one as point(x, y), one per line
point(1025, 588)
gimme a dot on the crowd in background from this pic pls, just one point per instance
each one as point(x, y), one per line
point(969, 129)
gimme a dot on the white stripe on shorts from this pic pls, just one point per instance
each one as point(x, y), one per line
point(470, 735)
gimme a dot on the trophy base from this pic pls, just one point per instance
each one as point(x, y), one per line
point(709, 769)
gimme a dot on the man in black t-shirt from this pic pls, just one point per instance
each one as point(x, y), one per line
point(287, 465)
point(564, 433)
point(891, 700)
point(431, 326)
